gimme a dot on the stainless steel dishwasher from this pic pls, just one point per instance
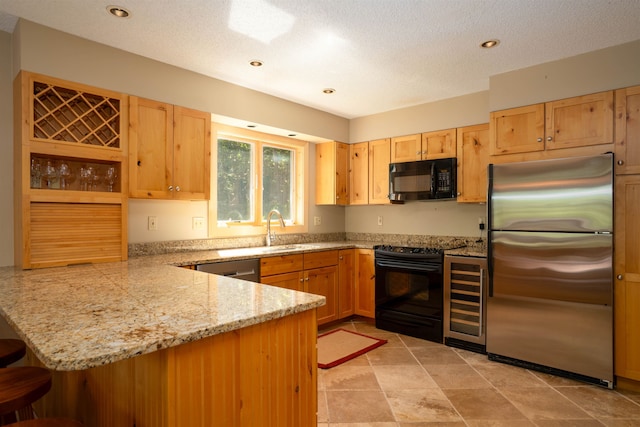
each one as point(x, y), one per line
point(246, 269)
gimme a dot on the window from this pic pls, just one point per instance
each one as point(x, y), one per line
point(255, 173)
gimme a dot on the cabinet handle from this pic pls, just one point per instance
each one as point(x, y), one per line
point(171, 188)
point(619, 277)
point(177, 188)
point(139, 162)
point(620, 162)
point(301, 280)
point(418, 152)
point(307, 279)
point(539, 139)
point(549, 138)
point(340, 258)
point(458, 194)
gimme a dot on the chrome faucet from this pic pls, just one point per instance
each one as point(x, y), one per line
point(269, 235)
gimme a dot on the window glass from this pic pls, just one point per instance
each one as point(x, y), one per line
point(277, 180)
point(235, 172)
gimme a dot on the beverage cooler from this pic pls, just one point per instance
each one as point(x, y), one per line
point(465, 280)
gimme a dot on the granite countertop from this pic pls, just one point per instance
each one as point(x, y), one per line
point(79, 317)
point(477, 252)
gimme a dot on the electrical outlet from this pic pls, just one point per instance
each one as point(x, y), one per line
point(317, 220)
point(379, 219)
point(197, 223)
point(152, 223)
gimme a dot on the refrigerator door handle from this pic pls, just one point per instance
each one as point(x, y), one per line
point(489, 228)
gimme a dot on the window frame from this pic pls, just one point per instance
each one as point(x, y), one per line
point(298, 224)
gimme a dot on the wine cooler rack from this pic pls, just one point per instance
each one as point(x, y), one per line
point(465, 298)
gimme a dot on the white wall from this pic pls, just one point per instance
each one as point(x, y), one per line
point(472, 109)
point(6, 151)
point(435, 218)
point(597, 71)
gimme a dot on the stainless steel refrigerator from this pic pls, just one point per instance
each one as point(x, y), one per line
point(550, 237)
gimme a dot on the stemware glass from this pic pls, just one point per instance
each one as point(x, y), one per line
point(50, 174)
point(95, 180)
point(86, 177)
point(36, 173)
point(110, 176)
point(65, 172)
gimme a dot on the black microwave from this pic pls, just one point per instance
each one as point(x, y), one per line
point(422, 180)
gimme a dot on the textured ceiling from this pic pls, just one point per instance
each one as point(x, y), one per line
point(378, 55)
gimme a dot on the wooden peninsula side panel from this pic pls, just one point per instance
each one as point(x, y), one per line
point(260, 375)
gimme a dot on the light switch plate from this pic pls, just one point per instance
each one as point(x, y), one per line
point(197, 223)
point(152, 223)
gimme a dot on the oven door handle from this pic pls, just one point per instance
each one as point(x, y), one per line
point(416, 266)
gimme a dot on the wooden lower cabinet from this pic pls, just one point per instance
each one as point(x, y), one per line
point(627, 278)
point(346, 282)
point(346, 278)
point(293, 280)
point(314, 272)
point(324, 281)
point(365, 283)
point(260, 375)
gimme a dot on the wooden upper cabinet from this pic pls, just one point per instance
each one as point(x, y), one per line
point(332, 173)
point(406, 148)
point(191, 154)
point(151, 147)
point(580, 121)
point(439, 144)
point(379, 159)
point(627, 123)
point(170, 151)
point(473, 158)
point(517, 130)
point(359, 173)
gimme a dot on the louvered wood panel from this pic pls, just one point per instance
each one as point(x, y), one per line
point(70, 233)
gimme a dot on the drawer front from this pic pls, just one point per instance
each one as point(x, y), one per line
point(280, 264)
point(320, 259)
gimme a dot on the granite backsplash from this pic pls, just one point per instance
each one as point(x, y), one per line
point(413, 240)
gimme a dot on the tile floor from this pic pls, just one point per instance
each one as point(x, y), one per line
point(410, 382)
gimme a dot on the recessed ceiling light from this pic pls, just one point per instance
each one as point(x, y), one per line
point(328, 90)
point(256, 63)
point(490, 43)
point(118, 11)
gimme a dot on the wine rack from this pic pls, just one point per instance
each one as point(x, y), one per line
point(69, 115)
point(71, 178)
point(464, 298)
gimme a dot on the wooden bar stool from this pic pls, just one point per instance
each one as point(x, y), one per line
point(48, 422)
point(11, 351)
point(19, 388)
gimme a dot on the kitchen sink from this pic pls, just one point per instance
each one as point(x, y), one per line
point(261, 250)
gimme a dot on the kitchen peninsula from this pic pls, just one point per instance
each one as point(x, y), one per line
point(138, 343)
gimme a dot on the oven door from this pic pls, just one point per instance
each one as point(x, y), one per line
point(409, 297)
